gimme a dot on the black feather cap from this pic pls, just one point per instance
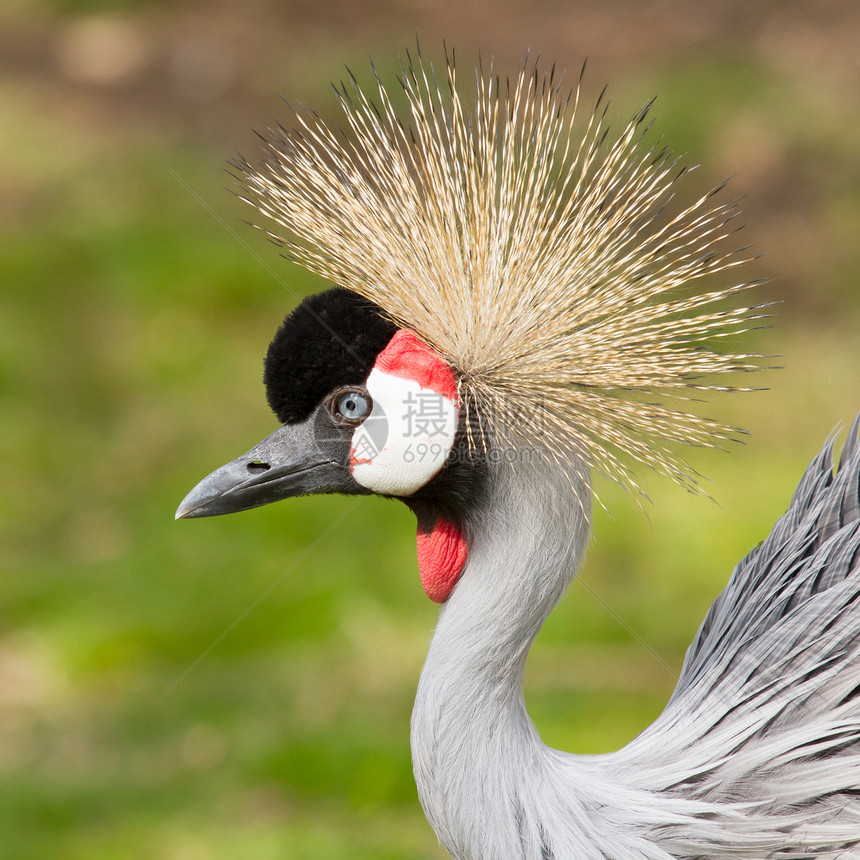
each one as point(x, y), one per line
point(331, 339)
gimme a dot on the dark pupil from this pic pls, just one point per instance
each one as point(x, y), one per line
point(352, 405)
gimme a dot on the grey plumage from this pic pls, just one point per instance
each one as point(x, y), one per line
point(757, 754)
point(766, 713)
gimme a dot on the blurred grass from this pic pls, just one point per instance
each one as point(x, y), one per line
point(221, 688)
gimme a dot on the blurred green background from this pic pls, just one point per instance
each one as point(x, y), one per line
point(242, 686)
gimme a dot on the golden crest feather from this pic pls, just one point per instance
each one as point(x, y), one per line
point(540, 257)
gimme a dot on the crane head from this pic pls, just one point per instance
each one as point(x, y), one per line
point(519, 282)
point(365, 407)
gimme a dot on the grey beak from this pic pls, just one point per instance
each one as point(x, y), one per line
point(287, 463)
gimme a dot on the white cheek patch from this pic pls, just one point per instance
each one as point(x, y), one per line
point(407, 437)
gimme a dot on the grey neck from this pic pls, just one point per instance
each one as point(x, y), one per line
point(478, 760)
point(490, 788)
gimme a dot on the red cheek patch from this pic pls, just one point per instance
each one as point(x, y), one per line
point(408, 357)
point(442, 555)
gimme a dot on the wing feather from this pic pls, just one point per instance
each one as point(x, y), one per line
point(798, 560)
point(763, 728)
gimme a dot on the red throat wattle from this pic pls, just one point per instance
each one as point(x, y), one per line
point(442, 553)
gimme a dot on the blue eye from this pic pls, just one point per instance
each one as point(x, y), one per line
point(353, 405)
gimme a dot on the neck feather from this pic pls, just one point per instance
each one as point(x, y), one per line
point(477, 756)
point(490, 788)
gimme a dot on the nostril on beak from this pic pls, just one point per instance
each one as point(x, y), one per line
point(257, 467)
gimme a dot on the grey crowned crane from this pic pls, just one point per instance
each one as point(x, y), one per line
point(519, 302)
